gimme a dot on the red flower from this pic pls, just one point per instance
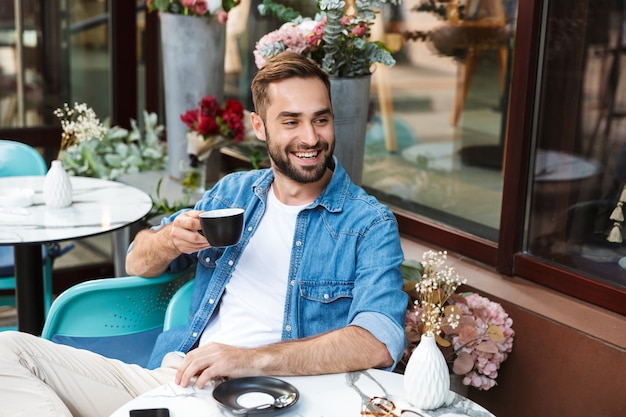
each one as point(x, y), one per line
point(209, 107)
point(209, 119)
point(208, 126)
point(233, 106)
point(190, 118)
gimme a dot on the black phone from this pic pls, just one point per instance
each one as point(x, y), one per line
point(150, 412)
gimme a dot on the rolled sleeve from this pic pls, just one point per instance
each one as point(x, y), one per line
point(385, 330)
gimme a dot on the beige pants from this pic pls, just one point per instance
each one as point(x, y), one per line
point(41, 378)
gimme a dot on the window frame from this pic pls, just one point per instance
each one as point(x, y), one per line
point(507, 255)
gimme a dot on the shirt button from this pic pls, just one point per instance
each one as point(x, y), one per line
point(288, 328)
point(207, 259)
point(194, 334)
point(293, 282)
point(211, 301)
point(326, 296)
point(230, 262)
point(298, 243)
point(249, 228)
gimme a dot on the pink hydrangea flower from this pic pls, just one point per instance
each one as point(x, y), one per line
point(486, 353)
point(289, 37)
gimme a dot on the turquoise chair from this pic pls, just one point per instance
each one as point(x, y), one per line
point(18, 159)
point(177, 312)
point(117, 317)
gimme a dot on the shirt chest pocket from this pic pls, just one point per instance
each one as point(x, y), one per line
point(210, 257)
point(325, 293)
point(324, 306)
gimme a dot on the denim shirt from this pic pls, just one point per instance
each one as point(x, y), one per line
point(344, 268)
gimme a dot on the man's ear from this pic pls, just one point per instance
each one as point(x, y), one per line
point(257, 126)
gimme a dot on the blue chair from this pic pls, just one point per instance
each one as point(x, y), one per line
point(117, 317)
point(177, 312)
point(18, 159)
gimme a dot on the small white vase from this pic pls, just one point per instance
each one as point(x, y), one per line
point(57, 188)
point(426, 377)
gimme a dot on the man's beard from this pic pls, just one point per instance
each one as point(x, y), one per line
point(303, 175)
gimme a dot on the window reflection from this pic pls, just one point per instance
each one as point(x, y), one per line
point(449, 92)
point(89, 58)
point(21, 86)
point(580, 155)
point(59, 55)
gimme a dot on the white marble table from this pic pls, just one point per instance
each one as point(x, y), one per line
point(336, 395)
point(98, 206)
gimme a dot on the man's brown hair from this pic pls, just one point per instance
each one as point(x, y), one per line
point(281, 67)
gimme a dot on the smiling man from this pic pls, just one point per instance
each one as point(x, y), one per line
point(313, 287)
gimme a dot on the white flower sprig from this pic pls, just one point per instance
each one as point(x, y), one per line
point(79, 123)
point(438, 283)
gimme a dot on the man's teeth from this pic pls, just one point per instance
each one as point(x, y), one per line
point(306, 154)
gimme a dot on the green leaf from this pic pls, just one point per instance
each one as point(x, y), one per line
point(113, 160)
point(412, 270)
point(282, 12)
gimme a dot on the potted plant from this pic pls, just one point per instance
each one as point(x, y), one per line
point(101, 151)
point(339, 39)
point(193, 46)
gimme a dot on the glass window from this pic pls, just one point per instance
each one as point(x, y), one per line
point(579, 174)
point(89, 57)
point(21, 66)
point(436, 141)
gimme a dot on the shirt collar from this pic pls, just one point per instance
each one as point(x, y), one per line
point(333, 196)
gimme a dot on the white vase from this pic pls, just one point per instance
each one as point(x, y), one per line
point(57, 188)
point(426, 377)
point(193, 51)
point(351, 98)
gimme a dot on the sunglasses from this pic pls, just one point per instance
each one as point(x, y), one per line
point(383, 407)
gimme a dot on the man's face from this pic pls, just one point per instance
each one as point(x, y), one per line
point(298, 129)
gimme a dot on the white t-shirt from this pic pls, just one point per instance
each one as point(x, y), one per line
point(251, 310)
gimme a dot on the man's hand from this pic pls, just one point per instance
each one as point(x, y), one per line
point(214, 360)
point(153, 251)
point(184, 233)
point(344, 350)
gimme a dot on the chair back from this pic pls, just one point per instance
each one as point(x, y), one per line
point(177, 313)
point(116, 317)
point(18, 158)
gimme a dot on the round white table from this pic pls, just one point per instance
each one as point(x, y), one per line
point(98, 206)
point(335, 395)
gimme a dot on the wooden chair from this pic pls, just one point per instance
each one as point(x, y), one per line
point(483, 28)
